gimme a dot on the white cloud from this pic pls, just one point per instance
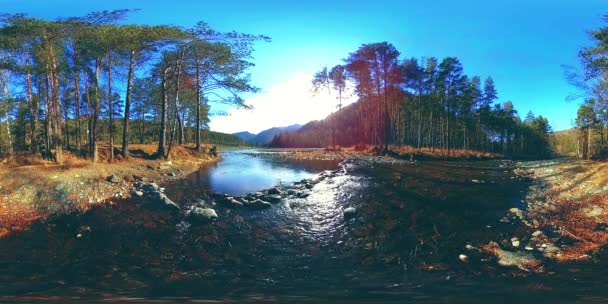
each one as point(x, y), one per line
point(285, 103)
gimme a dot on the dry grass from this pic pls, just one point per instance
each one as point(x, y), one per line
point(576, 187)
point(31, 187)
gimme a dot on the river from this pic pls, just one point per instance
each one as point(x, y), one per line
point(413, 220)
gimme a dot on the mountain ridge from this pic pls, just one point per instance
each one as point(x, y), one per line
point(266, 136)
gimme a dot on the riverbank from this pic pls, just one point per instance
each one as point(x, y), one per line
point(32, 188)
point(567, 202)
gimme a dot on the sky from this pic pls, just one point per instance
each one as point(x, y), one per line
point(522, 44)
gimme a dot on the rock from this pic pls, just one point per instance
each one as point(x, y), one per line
point(291, 192)
point(475, 181)
point(303, 194)
point(515, 243)
point(463, 258)
point(552, 249)
point(113, 179)
point(232, 203)
point(273, 198)
point(168, 203)
point(522, 260)
point(157, 199)
point(469, 247)
point(537, 233)
point(596, 211)
point(204, 214)
point(529, 248)
point(171, 174)
point(515, 211)
point(139, 193)
point(350, 211)
point(59, 187)
point(274, 191)
point(259, 204)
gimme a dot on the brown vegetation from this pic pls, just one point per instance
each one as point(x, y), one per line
point(31, 187)
point(575, 202)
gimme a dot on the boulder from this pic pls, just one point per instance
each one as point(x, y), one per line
point(231, 202)
point(204, 214)
point(301, 194)
point(113, 179)
point(274, 191)
point(520, 259)
point(350, 211)
point(273, 198)
point(168, 203)
point(259, 204)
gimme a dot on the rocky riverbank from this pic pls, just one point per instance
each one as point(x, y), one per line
point(30, 192)
point(562, 217)
point(568, 199)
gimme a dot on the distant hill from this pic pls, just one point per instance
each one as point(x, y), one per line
point(266, 136)
point(343, 127)
point(565, 142)
point(218, 138)
point(246, 136)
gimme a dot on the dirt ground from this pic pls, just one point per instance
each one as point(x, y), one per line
point(31, 188)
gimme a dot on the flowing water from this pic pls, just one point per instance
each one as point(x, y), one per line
point(412, 222)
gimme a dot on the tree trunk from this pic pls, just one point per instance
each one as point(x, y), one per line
point(162, 137)
point(197, 135)
point(111, 107)
point(96, 111)
point(33, 107)
point(8, 118)
point(77, 100)
point(57, 108)
point(589, 132)
point(125, 130)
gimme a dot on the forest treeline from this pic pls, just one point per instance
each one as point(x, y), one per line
point(71, 83)
point(591, 138)
point(426, 103)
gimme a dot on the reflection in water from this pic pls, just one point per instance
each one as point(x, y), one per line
point(241, 172)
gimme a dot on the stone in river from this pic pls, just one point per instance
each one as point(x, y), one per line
point(233, 203)
point(206, 214)
point(273, 191)
point(273, 198)
point(259, 204)
point(113, 179)
point(350, 211)
point(302, 194)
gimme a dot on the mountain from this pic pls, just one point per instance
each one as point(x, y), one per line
point(266, 136)
point(246, 136)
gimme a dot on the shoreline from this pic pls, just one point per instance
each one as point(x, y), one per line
point(567, 199)
point(32, 192)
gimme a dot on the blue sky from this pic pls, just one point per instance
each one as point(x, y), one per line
point(521, 44)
